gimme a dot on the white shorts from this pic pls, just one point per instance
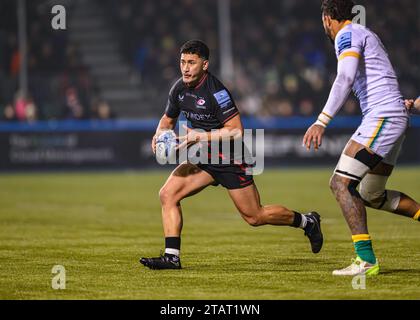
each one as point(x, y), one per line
point(384, 136)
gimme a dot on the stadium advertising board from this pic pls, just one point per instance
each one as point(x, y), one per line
point(109, 149)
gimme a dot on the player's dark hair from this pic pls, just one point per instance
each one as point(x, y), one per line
point(339, 10)
point(197, 47)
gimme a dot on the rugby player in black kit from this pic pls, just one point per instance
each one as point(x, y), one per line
point(208, 105)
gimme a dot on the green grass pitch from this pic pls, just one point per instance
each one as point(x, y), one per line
point(97, 225)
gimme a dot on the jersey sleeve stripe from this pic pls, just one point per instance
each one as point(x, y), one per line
point(325, 124)
point(233, 115)
point(327, 115)
point(349, 54)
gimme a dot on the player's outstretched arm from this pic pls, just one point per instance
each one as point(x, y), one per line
point(165, 123)
point(346, 74)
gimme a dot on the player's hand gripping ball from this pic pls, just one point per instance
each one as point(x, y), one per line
point(166, 145)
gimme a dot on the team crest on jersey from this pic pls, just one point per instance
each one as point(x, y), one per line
point(181, 97)
point(344, 42)
point(223, 98)
point(200, 104)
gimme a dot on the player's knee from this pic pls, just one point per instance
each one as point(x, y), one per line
point(372, 190)
point(373, 195)
point(340, 184)
point(166, 196)
point(253, 216)
point(372, 198)
point(351, 170)
point(387, 200)
point(254, 221)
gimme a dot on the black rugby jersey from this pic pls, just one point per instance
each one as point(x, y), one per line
point(207, 106)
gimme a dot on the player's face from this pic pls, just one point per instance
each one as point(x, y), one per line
point(326, 21)
point(192, 68)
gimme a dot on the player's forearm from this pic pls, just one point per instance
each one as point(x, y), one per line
point(233, 129)
point(347, 69)
point(224, 133)
point(338, 95)
point(165, 123)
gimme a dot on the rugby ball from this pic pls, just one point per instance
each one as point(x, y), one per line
point(166, 144)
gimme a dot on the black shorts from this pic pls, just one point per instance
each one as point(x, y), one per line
point(229, 176)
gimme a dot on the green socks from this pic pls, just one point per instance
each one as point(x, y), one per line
point(363, 247)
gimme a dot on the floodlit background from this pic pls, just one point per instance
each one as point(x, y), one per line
point(273, 55)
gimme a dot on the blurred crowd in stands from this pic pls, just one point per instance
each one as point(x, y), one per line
point(59, 85)
point(284, 64)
